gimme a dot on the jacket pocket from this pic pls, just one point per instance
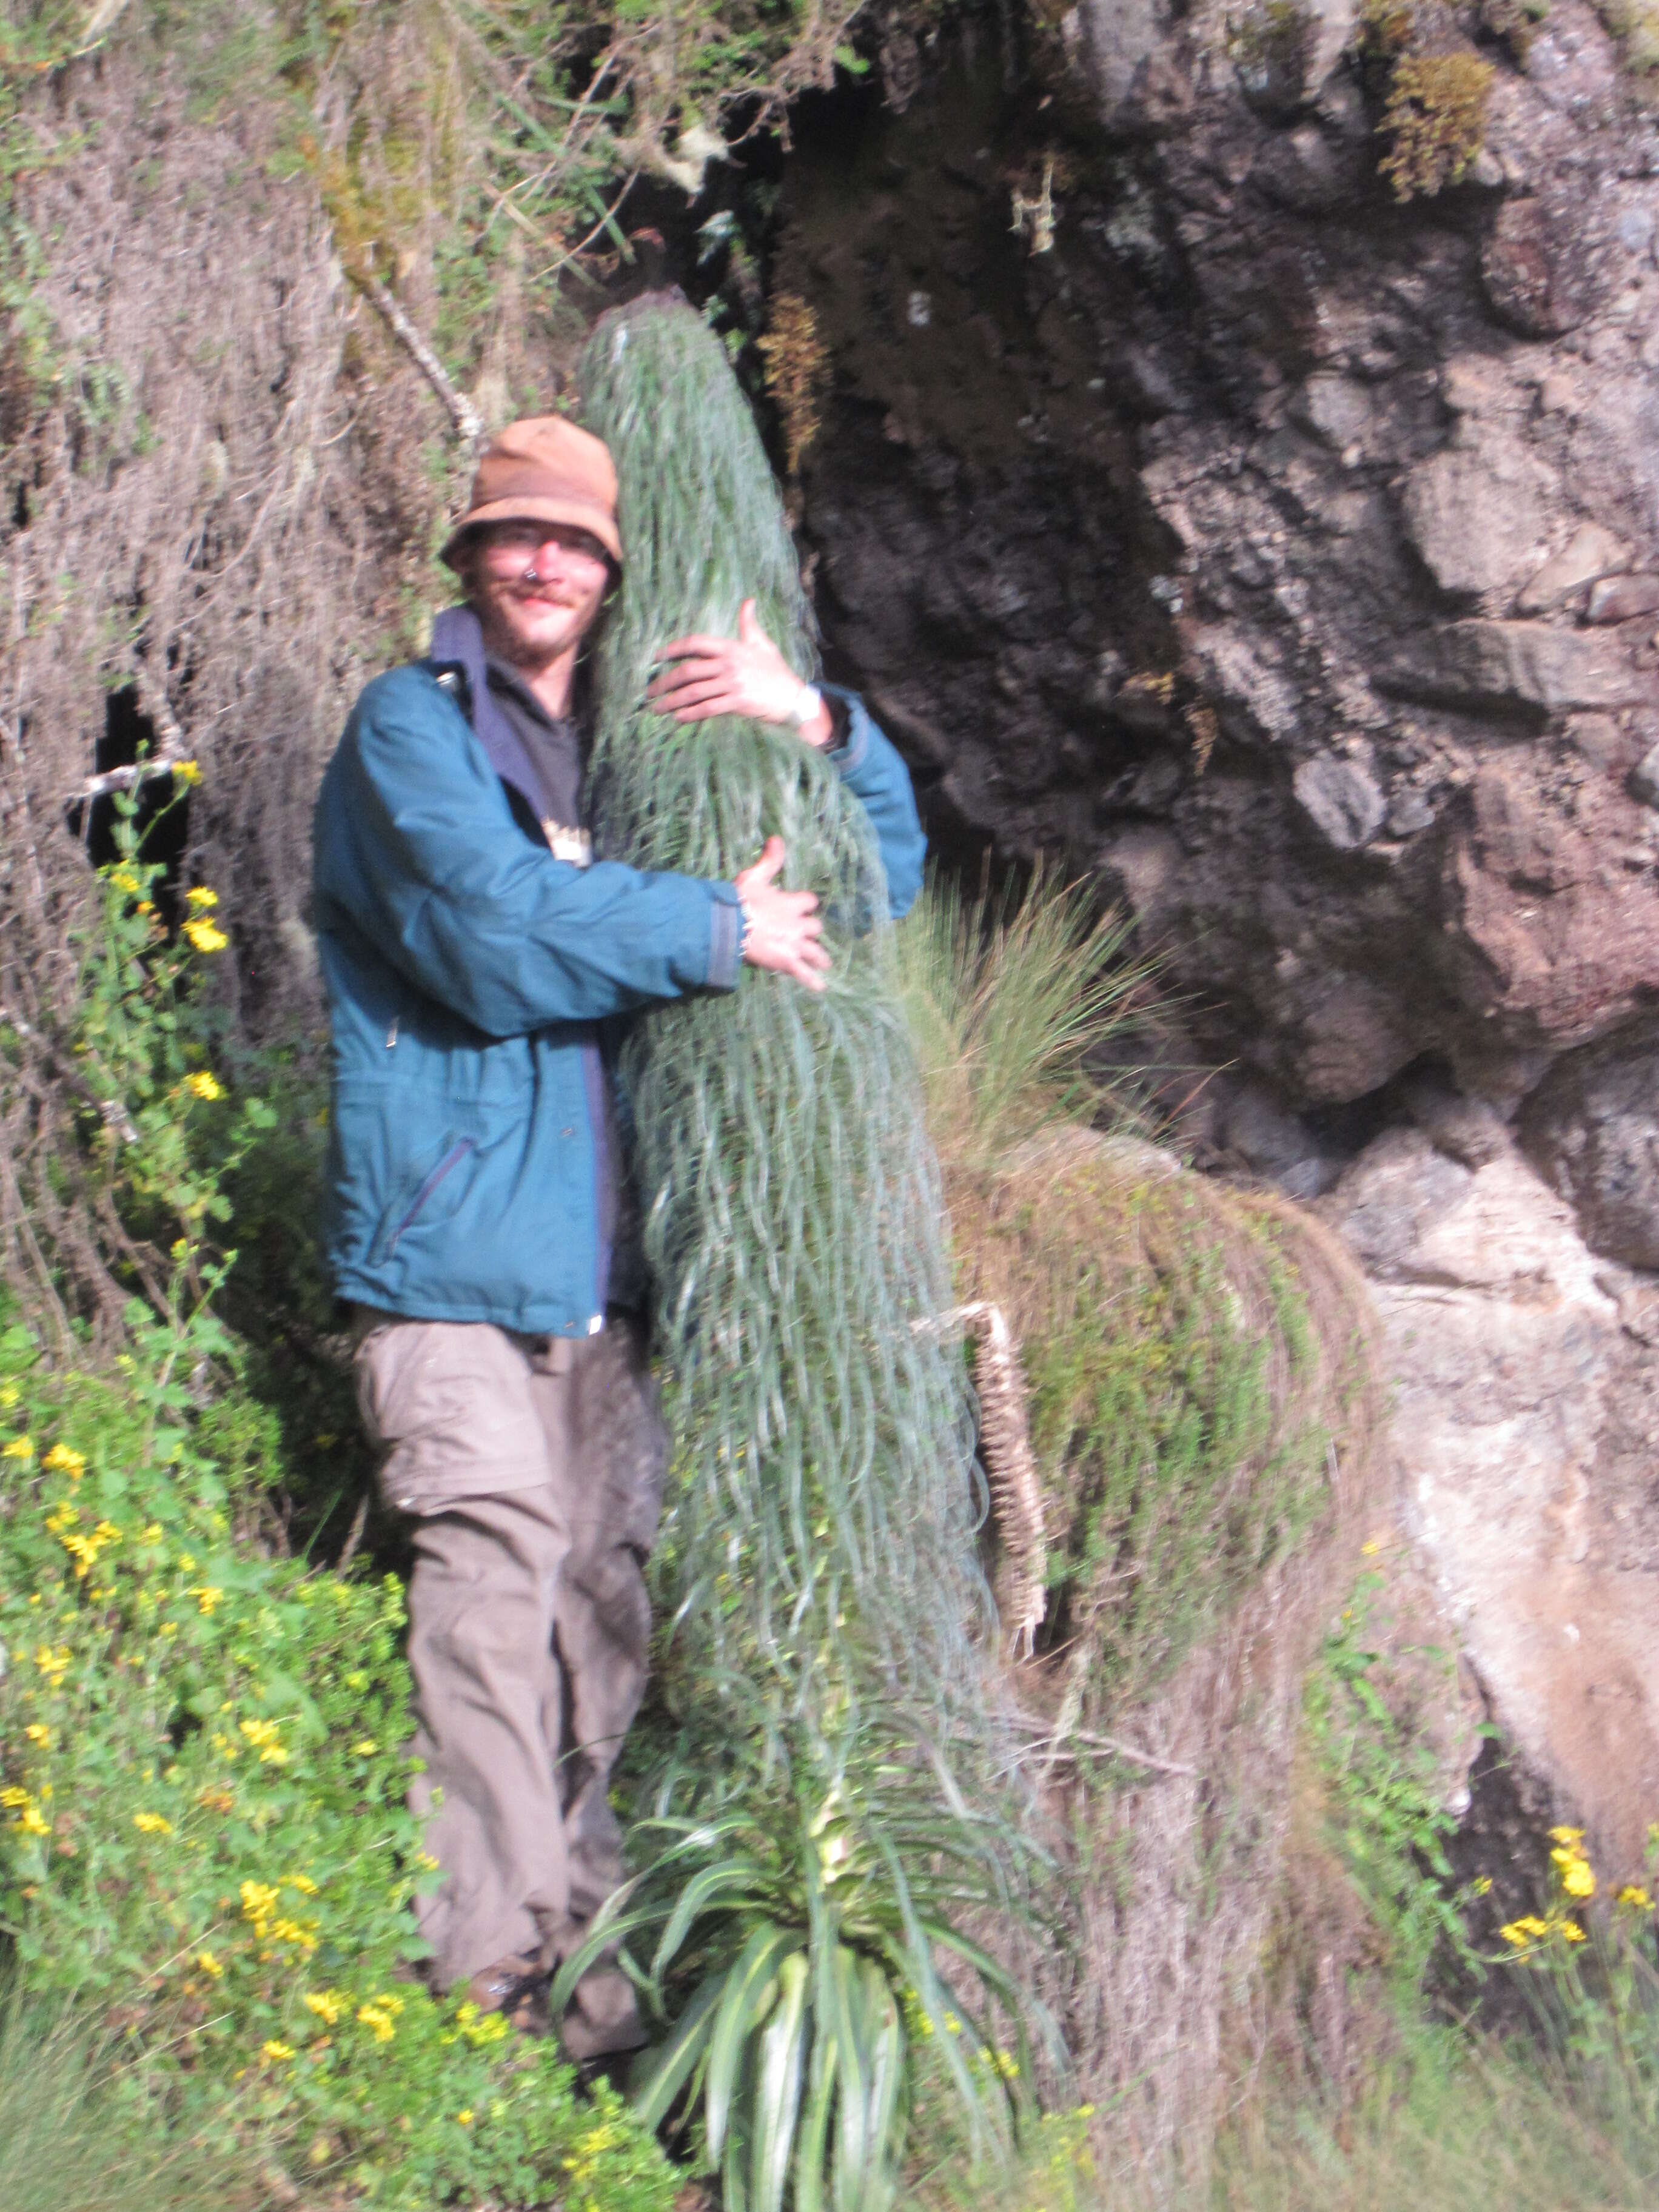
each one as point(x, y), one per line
point(415, 1193)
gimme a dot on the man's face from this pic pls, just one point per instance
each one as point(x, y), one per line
point(537, 587)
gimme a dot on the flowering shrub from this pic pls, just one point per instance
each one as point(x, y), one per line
point(202, 1833)
point(203, 1830)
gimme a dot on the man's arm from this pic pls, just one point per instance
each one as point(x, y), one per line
point(873, 772)
point(748, 675)
point(417, 846)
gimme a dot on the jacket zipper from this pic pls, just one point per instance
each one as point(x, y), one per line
point(452, 1159)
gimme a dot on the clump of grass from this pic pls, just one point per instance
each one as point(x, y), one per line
point(79, 2134)
point(1452, 2123)
point(1025, 1008)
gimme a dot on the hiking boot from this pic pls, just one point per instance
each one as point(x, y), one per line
point(517, 1988)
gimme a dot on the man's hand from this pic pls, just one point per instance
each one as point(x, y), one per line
point(784, 932)
point(743, 675)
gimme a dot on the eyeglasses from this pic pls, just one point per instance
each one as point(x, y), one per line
point(506, 543)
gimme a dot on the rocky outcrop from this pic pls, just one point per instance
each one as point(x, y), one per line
point(1527, 1410)
point(1306, 540)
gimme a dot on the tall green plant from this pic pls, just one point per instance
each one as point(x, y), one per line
point(818, 1565)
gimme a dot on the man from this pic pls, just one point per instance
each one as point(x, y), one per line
point(471, 950)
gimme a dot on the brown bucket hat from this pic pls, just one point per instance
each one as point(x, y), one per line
point(543, 470)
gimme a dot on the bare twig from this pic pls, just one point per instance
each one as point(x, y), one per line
point(469, 424)
point(1121, 1750)
point(109, 1111)
point(354, 1535)
point(1055, 1746)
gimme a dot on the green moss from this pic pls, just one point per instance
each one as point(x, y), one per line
point(1270, 46)
point(1635, 23)
point(1157, 1424)
point(1436, 120)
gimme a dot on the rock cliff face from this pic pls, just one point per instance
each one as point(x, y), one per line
point(1287, 558)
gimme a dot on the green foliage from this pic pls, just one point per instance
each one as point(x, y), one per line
point(204, 1834)
point(797, 1949)
point(1386, 1818)
point(820, 1540)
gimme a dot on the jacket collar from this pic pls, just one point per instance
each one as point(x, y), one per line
point(457, 643)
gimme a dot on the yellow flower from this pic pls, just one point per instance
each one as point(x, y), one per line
point(206, 1597)
point(123, 879)
point(54, 1665)
point(206, 936)
point(187, 772)
point(153, 1824)
point(200, 895)
point(20, 1448)
point(466, 2116)
point(1567, 1835)
point(1631, 1894)
point(291, 1931)
point(209, 1964)
point(1371, 1547)
point(61, 1459)
point(12, 1798)
point(1525, 1930)
point(365, 1747)
point(38, 1733)
point(1572, 1931)
point(275, 2053)
point(326, 2004)
point(204, 1085)
point(379, 2021)
point(8, 1396)
point(152, 1534)
point(302, 1882)
point(1482, 1885)
point(258, 1732)
point(260, 1902)
point(1576, 1876)
point(33, 1824)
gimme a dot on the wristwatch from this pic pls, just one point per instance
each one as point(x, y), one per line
point(808, 700)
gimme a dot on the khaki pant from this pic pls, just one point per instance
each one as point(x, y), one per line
point(533, 1470)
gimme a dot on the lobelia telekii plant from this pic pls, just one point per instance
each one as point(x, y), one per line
point(830, 1807)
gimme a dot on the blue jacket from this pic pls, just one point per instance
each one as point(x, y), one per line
point(467, 972)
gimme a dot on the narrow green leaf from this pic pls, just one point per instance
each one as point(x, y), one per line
point(777, 2085)
point(661, 2074)
point(814, 2138)
point(853, 2146)
point(750, 1986)
point(888, 2116)
point(701, 1891)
